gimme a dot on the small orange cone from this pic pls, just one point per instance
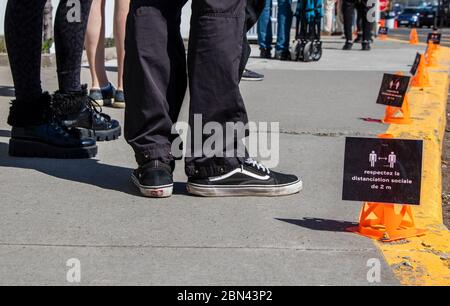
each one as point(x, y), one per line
point(382, 222)
point(393, 114)
point(414, 37)
point(421, 79)
point(431, 56)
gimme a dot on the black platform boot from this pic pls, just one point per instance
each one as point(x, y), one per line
point(36, 133)
point(78, 111)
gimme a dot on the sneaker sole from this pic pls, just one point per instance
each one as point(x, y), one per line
point(252, 79)
point(27, 148)
point(153, 191)
point(107, 135)
point(241, 191)
point(118, 105)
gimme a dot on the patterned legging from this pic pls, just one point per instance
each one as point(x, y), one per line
point(23, 35)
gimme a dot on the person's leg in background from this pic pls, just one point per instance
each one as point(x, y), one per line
point(35, 132)
point(265, 34)
point(120, 18)
point(366, 25)
point(102, 90)
point(155, 83)
point(213, 65)
point(358, 23)
point(285, 16)
point(339, 18)
point(252, 15)
point(348, 8)
point(72, 103)
point(328, 7)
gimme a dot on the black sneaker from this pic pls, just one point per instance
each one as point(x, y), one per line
point(249, 75)
point(348, 46)
point(154, 179)
point(366, 46)
point(251, 179)
point(78, 111)
point(103, 96)
point(43, 136)
point(265, 53)
point(119, 99)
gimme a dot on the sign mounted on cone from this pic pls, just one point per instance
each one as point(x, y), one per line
point(383, 170)
point(393, 90)
point(435, 38)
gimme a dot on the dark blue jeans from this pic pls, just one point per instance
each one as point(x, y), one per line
point(265, 33)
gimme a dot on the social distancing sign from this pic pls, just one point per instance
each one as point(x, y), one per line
point(383, 170)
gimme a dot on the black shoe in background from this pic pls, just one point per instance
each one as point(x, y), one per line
point(103, 96)
point(366, 46)
point(119, 99)
point(283, 55)
point(249, 75)
point(265, 53)
point(348, 46)
point(251, 179)
point(154, 179)
point(78, 111)
point(36, 133)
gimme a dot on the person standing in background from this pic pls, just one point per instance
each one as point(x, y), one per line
point(265, 33)
point(339, 19)
point(349, 7)
point(102, 91)
point(66, 124)
point(329, 9)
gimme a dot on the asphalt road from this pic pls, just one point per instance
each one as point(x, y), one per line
point(403, 34)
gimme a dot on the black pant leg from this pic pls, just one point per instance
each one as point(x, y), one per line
point(214, 62)
point(366, 25)
point(70, 29)
point(154, 77)
point(348, 7)
point(23, 36)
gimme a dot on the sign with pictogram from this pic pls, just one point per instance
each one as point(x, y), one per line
point(383, 170)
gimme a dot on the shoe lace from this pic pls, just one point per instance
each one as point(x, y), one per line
point(97, 109)
point(255, 164)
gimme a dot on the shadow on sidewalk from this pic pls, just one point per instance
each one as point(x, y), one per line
point(318, 224)
point(87, 171)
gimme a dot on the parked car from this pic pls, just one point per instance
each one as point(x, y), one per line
point(427, 17)
point(409, 17)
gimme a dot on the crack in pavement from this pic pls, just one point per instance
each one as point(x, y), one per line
point(326, 133)
point(188, 247)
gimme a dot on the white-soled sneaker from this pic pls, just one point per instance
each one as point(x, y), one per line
point(251, 179)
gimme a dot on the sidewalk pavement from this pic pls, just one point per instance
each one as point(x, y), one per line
point(54, 210)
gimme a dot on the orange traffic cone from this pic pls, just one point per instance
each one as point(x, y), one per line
point(421, 79)
point(394, 114)
point(431, 56)
point(414, 37)
point(383, 222)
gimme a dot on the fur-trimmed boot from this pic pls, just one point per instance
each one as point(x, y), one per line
point(37, 133)
point(79, 112)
